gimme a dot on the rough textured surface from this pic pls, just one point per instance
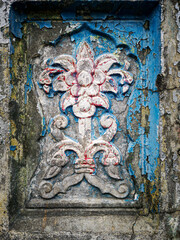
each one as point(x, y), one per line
point(159, 217)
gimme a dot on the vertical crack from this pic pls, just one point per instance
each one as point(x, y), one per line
point(133, 234)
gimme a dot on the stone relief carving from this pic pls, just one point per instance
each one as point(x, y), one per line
point(83, 80)
point(76, 166)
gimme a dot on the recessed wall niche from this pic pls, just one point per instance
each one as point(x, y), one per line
point(84, 106)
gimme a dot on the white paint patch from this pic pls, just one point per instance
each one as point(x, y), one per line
point(177, 193)
point(170, 70)
point(71, 27)
point(162, 53)
point(3, 23)
point(175, 96)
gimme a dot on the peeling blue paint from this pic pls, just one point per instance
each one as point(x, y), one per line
point(49, 125)
point(142, 188)
point(44, 127)
point(16, 19)
point(71, 155)
point(68, 110)
point(12, 148)
point(131, 37)
point(43, 23)
point(10, 65)
point(154, 189)
point(149, 146)
point(131, 172)
point(29, 84)
point(11, 50)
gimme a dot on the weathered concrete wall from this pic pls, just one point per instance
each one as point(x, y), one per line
point(159, 220)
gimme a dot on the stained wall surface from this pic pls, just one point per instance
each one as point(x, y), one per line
point(89, 119)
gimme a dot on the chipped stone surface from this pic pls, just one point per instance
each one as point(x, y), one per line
point(158, 184)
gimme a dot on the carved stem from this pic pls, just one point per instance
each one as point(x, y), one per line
point(85, 130)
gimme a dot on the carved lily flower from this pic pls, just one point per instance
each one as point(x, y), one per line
point(84, 80)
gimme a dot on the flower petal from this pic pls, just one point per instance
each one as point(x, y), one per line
point(85, 51)
point(67, 77)
point(47, 81)
point(66, 61)
point(60, 86)
point(70, 79)
point(126, 76)
point(83, 114)
point(84, 78)
point(77, 90)
point(99, 76)
point(67, 100)
point(109, 85)
point(44, 78)
point(101, 100)
point(84, 105)
point(46, 88)
point(85, 64)
point(93, 90)
point(105, 61)
point(125, 88)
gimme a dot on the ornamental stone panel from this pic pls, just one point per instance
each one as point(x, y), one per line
point(89, 119)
